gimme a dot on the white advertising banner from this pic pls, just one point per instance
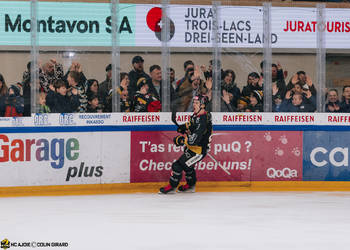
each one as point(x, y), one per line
point(241, 26)
point(32, 159)
point(89, 24)
point(126, 121)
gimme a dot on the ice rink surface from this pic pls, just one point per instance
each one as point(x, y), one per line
point(239, 220)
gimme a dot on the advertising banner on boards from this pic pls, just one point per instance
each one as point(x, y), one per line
point(326, 156)
point(35, 159)
point(246, 155)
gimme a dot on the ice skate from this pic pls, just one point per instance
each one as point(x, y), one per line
point(186, 189)
point(167, 190)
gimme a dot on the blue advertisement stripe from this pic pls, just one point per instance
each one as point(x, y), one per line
point(326, 156)
point(39, 129)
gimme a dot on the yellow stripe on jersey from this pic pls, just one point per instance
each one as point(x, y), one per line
point(193, 148)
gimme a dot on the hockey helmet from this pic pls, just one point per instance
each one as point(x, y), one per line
point(203, 99)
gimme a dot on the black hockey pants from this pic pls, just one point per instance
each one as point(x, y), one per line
point(185, 163)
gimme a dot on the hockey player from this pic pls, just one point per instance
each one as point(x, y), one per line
point(196, 137)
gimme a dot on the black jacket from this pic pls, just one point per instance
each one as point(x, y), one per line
point(332, 104)
point(344, 107)
point(287, 106)
point(200, 128)
point(142, 101)
point(62, 104)
point(158, 95)
point(134, 77)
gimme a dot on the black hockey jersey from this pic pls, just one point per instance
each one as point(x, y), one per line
point(200, 127)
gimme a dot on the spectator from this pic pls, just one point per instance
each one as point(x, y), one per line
point(3, 86)
point(126, 105)
point(345, 104)
point(19, 85)
point(278, 83)
point(12, 104)
point(58, 100)
point(155, 83)
point(144, 101)
point(76, 66)
point(333, 103)
point(253, 83)
point(26, 74)
point(172, 78)
point(242, 104)
point(135, 74)
point(26, 81)
point(74, 81)
point(276, 103)
point(49, 73)
point(308, 98)
point(106, 85)
point(255, 102)
point(227, 98)
point(43, 108)
point(188, 67)
point(92, 87)
point(296, 103)
point(124, 80)
point(227, 102)
point(93, 104)
point(125, 102)
point(230, 86)
point(191, 87)
point(93, 90)
point(304, 79)
point(208, 73)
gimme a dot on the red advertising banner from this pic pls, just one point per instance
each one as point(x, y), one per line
point(245, 156)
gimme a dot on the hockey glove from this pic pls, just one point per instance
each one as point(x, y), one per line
point(181, 129)
point(179, 140)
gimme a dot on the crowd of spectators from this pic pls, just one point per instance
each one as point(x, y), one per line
point(141, 91)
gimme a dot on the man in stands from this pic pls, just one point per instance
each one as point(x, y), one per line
point(191, 86)
point(136, 73)
point(188, 67)
point(105, 86)
point(172, 77)
point(155, 83)
point(345, 104)
point(333, 104)
point(49, 73)
point(253, 83)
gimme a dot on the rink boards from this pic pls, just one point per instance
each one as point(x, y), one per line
point(120, 153)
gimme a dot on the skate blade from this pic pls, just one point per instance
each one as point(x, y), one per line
point(186, 192)
point(171, 192)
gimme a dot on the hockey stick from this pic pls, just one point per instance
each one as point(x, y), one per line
point(173, 119)
point(226, 171)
